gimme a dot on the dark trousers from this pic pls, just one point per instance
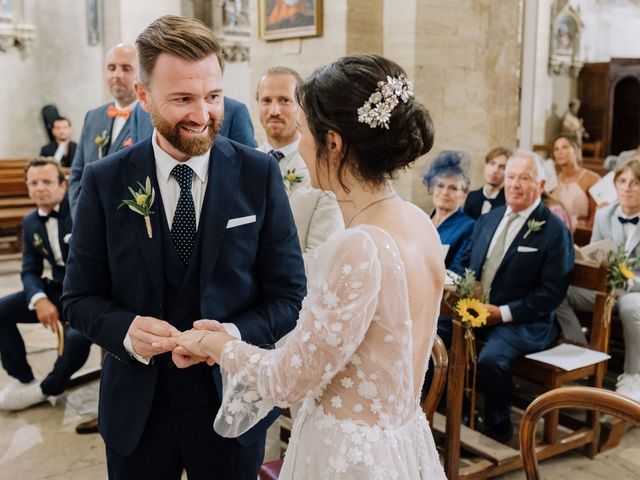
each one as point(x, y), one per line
point(502, 345)
point(177, 440)
point(13, 310)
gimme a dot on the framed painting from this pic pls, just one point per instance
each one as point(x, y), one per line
point(289, 18)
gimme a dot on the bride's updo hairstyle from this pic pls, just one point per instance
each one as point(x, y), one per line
point(331, 99)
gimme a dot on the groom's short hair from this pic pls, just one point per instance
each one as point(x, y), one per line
point(181, 37)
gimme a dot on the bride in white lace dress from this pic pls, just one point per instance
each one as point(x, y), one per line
point(358, 355)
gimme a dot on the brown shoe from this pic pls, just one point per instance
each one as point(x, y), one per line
point(90, 426)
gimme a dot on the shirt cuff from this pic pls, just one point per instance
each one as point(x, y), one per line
point(35, 298)
point(129, 348)
point(505, 313)
point(232, 330)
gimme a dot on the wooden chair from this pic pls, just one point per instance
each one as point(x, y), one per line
point(571, 397)
point(271, 470)
point(593, 278)
point(440, 364)
point(582, 236)
point(496, 458)
point(592, 150)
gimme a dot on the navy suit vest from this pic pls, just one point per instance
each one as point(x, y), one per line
point(191, 387)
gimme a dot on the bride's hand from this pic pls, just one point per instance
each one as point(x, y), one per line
point(203, 343)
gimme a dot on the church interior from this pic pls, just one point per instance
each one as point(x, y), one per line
point(511, 73)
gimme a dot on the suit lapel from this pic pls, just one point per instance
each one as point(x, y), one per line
point(222, 187)
point(539, 215)
point(617, 230)
point(45, 248)
point(122, 136)
point(492, 222)
point(138, 167)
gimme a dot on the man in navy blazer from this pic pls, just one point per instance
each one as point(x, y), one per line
point(237, 124)
point(491, 194)
point(524, 254)
point(114, 125)
point(219, 243)
point(45, 237)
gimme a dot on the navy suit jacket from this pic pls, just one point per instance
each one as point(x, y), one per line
point(475, 199)
point(50, 150)
point(237, 124)
point(36, 249)
point(136, 128)
point(532, 283)
point(251, 275)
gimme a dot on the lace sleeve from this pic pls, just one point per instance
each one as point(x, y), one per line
point(333, 321)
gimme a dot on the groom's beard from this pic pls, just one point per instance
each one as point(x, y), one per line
point(191, 147)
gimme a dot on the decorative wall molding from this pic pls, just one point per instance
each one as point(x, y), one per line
point(564, 44)
point(14, 32)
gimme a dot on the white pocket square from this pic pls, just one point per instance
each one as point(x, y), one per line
point(236, 222)
point(524, 249)
point(66, 238)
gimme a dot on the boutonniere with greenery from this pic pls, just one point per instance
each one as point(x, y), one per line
point(534, 226)
point(142, 202)
point(291, 178)
point(37, 240)
point(470, 305)
point(101, 140)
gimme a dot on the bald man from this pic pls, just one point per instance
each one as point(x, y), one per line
point(115, 125)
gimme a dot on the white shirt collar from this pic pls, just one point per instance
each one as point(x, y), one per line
point(286, 150)
point(491, 197)
point(42, 213)
point(526, 212)
point(126, 107)
point(620, 214)
point(165, 162)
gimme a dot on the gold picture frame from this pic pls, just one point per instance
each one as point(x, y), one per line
point(279, 19)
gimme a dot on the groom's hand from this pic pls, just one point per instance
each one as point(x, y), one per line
point(151, 336)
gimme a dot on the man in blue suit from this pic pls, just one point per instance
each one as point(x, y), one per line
point(524, 254)
point(218, 242)
point(45, 233)
point(114, 125)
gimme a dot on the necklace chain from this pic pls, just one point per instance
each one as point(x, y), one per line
point(370, 205)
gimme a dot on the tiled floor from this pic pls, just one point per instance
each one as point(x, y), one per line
point(40, 443)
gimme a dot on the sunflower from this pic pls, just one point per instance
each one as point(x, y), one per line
point(472, 311)
point(626, 272)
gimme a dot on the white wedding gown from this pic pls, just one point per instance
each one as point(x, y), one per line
point(350, 360)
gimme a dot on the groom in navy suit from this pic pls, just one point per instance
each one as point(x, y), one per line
point(219, 242)
point(524, 254)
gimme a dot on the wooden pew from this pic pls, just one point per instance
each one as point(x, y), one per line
point(496, 458)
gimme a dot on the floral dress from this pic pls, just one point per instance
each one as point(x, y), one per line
point(350, 360)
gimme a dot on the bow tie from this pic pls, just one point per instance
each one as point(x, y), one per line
point(633, 220)
point(114, 112)
point(51, 214)
point(277, 154)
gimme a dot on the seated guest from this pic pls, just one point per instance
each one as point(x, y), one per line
point(553, 204)
point(63, 148)
point(574, 182)
point(46, 232)
point(447, 181)
point(619, 222)
point(491, 195)
point(524, 255)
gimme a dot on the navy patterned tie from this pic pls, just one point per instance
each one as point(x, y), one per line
point(277, 154)
point(183, 227)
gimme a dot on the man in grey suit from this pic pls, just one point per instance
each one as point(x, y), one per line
point(620, 223)
point(108, 128)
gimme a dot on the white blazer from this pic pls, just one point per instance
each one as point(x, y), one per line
point(315, 212)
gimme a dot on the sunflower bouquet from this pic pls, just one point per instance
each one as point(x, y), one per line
point(619, 275)
point(470, 307)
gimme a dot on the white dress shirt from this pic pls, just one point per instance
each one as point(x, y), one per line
point(54, 242)
point(288, 150)
point(486, 204)
point(514, 228)
point(628, 228)
point(118, 122)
